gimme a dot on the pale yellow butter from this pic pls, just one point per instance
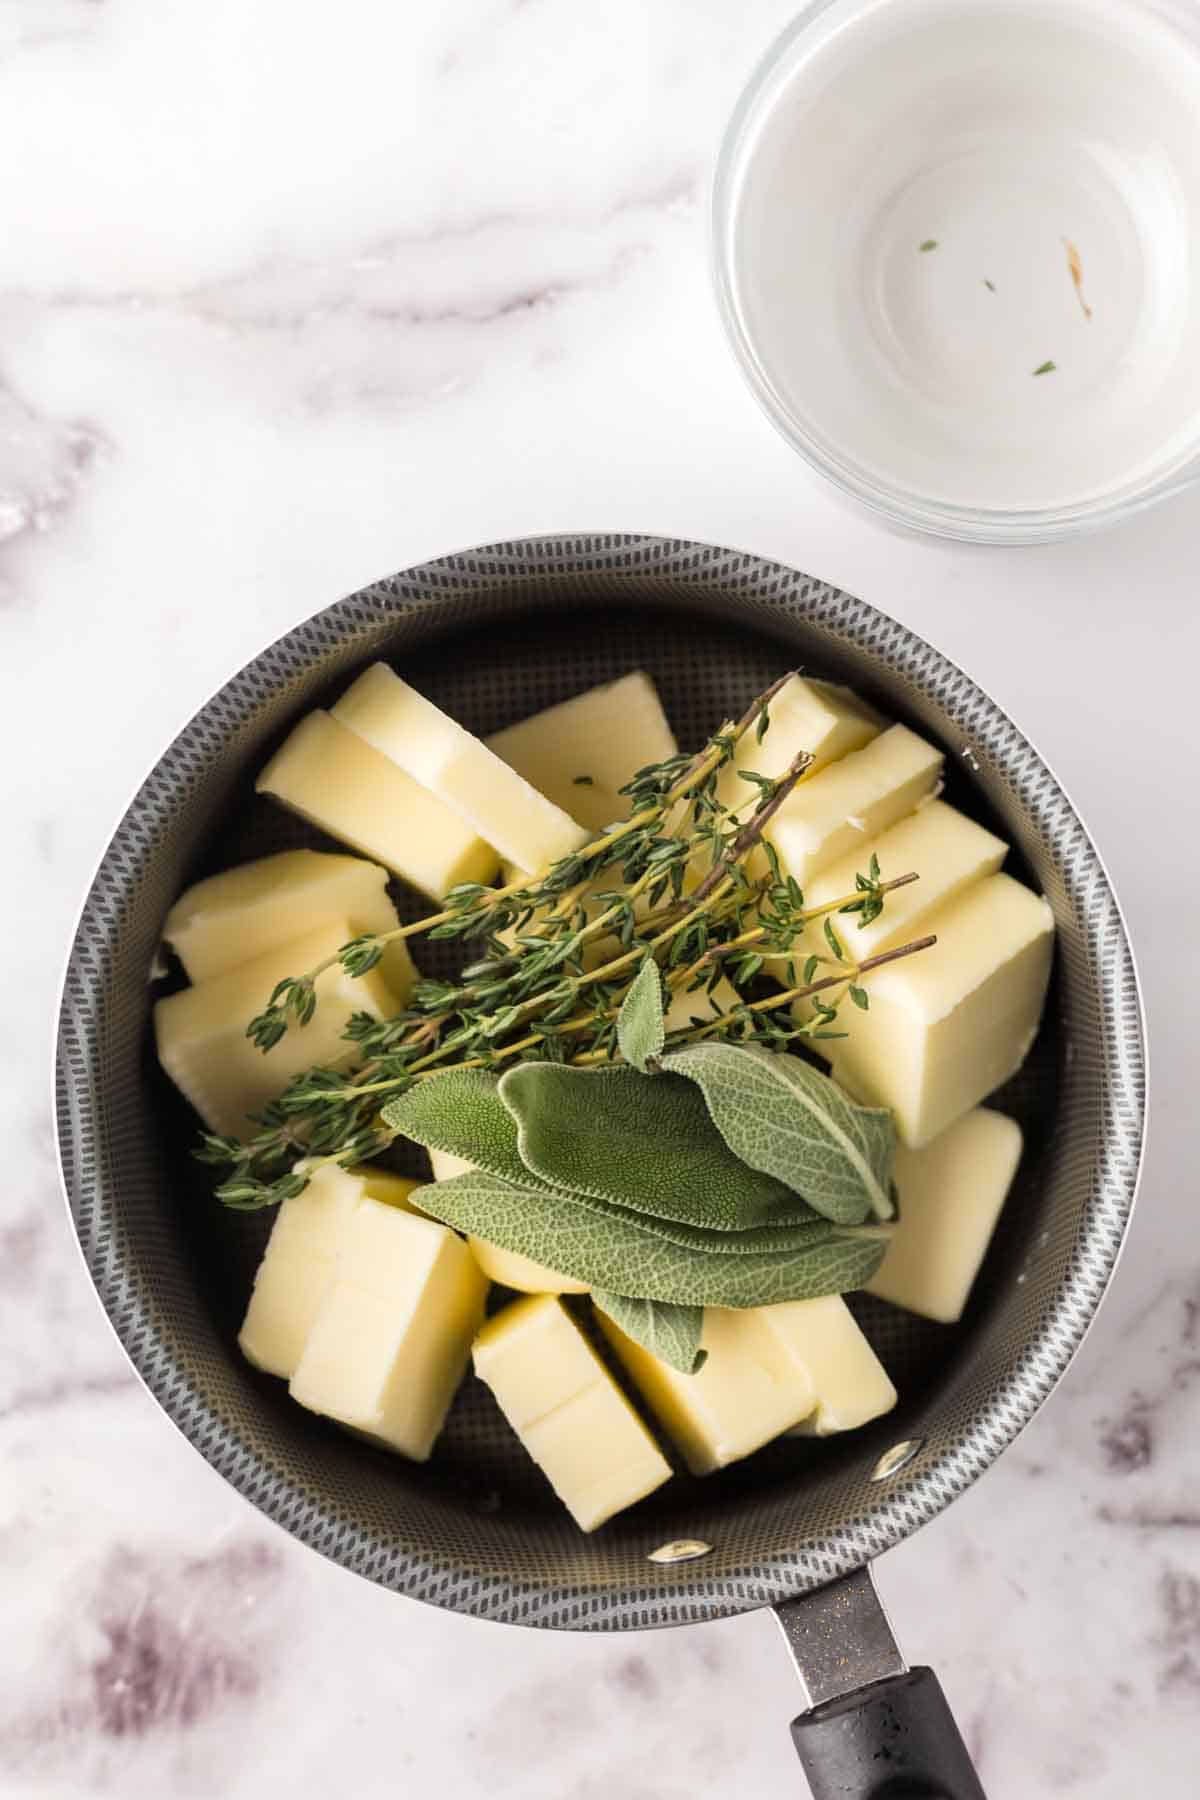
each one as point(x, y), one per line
point(947, 850)
point(800, 1366)
point(950, 1024)
point(817, 716)
point(850, 1384)
point(951, 1194)
point(505, 1267)
point(521, 1273)
point(491, 798)
point(749, 1390)
point(337, 781)
point(844, 807)
point(300, 1259)
point(392, 1335)
point(201, 1031)
point(567, 1410)
point(231, 918)
point(446, 1166)
point(606, 734)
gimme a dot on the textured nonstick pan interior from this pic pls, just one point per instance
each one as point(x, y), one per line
point(478, 1528)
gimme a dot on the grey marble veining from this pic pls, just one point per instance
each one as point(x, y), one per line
point(290, 298)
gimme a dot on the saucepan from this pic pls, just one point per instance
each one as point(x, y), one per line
point(491, 635)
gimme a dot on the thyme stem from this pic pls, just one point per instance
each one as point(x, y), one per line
point(529, 994)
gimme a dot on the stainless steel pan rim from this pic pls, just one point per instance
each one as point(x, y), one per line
point(532, 577)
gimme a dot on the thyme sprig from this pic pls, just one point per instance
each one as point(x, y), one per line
point(687, 881)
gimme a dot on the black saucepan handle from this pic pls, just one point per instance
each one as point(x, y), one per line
point(895, 1740)
point(874, 1729)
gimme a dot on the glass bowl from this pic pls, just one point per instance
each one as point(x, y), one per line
point(956, 248)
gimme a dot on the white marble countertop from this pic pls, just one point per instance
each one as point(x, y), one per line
point(290, 297)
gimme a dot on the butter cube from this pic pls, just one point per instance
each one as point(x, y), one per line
point(201, 1031)
point(505, 1267)
point(801, 1366)
point(300, 1259)
point(951, 1195)
point(336, 781)
point(596, 1454)
point(521, 1273)
point(949, 1025)
point(749, 1390)
point(536, 1360)
point(392, 1335)
point(817, 716)
point(844, 807)
point(567, 1410)
point(461, 771)
point(850, 1383)
point(446, 1166)
point(605, 735)
point(231, 918)
point(947, 850)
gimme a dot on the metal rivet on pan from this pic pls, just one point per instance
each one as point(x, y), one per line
point(897, 1458)
point(681, 1550)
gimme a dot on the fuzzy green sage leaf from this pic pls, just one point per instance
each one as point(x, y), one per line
point(617, 1254)
point(641, 1032)
point(641, 1141)
point(460, 1111)
point(780, 1115)
point(672, 1333)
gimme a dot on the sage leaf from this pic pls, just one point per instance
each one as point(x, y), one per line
point(617, 1254)
point(641, 1141)
point(641, 1032)
point(671, 1333)
point(778, 1240)
point(460, 1111)
point(781, 1116)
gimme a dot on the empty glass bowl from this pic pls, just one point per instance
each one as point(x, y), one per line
point(957, 252)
